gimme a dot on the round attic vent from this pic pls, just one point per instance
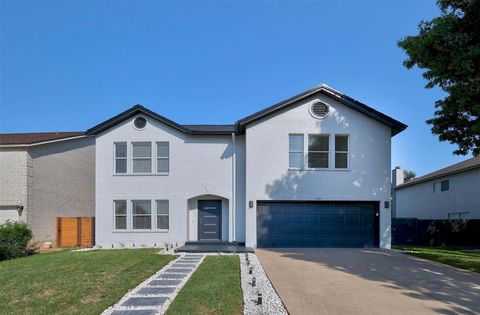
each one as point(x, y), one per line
point(319, 110)
point(140, 122)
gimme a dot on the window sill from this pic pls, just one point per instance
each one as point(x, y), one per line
point(142, 174)
point(318, 169)
point(140, 231)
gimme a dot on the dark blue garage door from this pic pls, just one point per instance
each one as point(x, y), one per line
point(317, 224)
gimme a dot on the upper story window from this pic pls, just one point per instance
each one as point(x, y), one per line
point(120, 157)
point(295, 151)
point(163, 157)
point(318, 151)
point(341, 151)
point(141, 157)
point(140, 122)
point(444, 185)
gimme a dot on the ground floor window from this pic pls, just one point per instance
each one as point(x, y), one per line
point(141, 214)
point(162, 215)
point(120, 214)
point(131, 215)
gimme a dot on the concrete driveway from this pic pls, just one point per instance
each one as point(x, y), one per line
point(368, 281)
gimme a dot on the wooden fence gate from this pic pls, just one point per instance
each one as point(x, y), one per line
point(75, 231)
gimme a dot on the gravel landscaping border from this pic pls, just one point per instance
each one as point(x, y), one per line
point(271, 302)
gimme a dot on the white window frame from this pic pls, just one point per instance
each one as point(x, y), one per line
point(115, 158)
point(142, 158)
point(163, 215)
point(296, 151)
point(347, 152)
point(141, 215)
point(162, 157)
point(121, 215)
point(306, 143)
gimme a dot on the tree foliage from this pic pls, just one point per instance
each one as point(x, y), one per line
point(408, 175)
point(448, 48)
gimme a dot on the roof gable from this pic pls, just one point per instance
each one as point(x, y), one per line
point(139, 109)
point(395, 125)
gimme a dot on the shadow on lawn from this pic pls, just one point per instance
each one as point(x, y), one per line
point(422, 279)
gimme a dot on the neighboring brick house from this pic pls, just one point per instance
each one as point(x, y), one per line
point(44, 176)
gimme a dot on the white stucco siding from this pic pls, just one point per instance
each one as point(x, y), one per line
point(367, 178)
point(420, 201)
point(199, 165)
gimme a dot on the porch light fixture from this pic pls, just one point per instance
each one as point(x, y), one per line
point(259, 299)
point(254, 281)
point(387, 205)
point(250, 204)
point(250, 270)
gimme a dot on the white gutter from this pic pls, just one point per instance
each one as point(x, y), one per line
point(234, 158)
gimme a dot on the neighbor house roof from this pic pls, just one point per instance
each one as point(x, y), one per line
point(31, 138)
point(395, 125)
point(464, 166)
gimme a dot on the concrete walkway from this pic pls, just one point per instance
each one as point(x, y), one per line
point(368, 281)
point(155, 294)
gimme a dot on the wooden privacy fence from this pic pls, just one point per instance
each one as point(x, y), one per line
point(75, 231)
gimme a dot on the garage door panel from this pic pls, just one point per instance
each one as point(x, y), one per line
point(316, 224)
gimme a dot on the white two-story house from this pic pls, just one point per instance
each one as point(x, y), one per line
point(311, 171)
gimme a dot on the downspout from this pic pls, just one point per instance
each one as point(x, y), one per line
point(234, 158)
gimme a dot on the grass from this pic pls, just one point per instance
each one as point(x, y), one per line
point(214, 288)
point(457, 258)
point(69, 282)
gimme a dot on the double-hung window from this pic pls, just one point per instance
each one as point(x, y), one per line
point(141, 214)
point(141, 157)
point(318, 151)
point(163, 153)
point(341, 151)
point(120, 157)
point(120, 214)
point(295, 151)
point(162, 215)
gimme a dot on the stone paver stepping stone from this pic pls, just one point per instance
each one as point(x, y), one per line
point(164, 282)
point(172, 276)
point(180, 270)
point(134, 312)
point(156, 290)
point(145, 301)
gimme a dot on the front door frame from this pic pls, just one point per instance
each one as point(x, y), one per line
point(220, 219)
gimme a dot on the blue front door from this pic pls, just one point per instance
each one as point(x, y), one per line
point(209, 220)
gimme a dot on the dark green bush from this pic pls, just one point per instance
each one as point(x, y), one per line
point(15, 240)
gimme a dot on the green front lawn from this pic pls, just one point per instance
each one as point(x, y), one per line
point(69, 282)
point(214, 288)
point(456, 258)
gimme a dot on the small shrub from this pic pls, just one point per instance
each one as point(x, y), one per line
point(15, 240)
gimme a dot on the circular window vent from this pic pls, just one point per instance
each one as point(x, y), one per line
point(319, 110)
point(140, 122)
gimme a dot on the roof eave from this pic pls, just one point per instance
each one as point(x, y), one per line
point(395, 125)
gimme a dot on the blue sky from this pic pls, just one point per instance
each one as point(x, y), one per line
point(68, 65)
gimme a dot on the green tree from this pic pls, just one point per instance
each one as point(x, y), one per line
point(448, 48)
point(408, 175)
